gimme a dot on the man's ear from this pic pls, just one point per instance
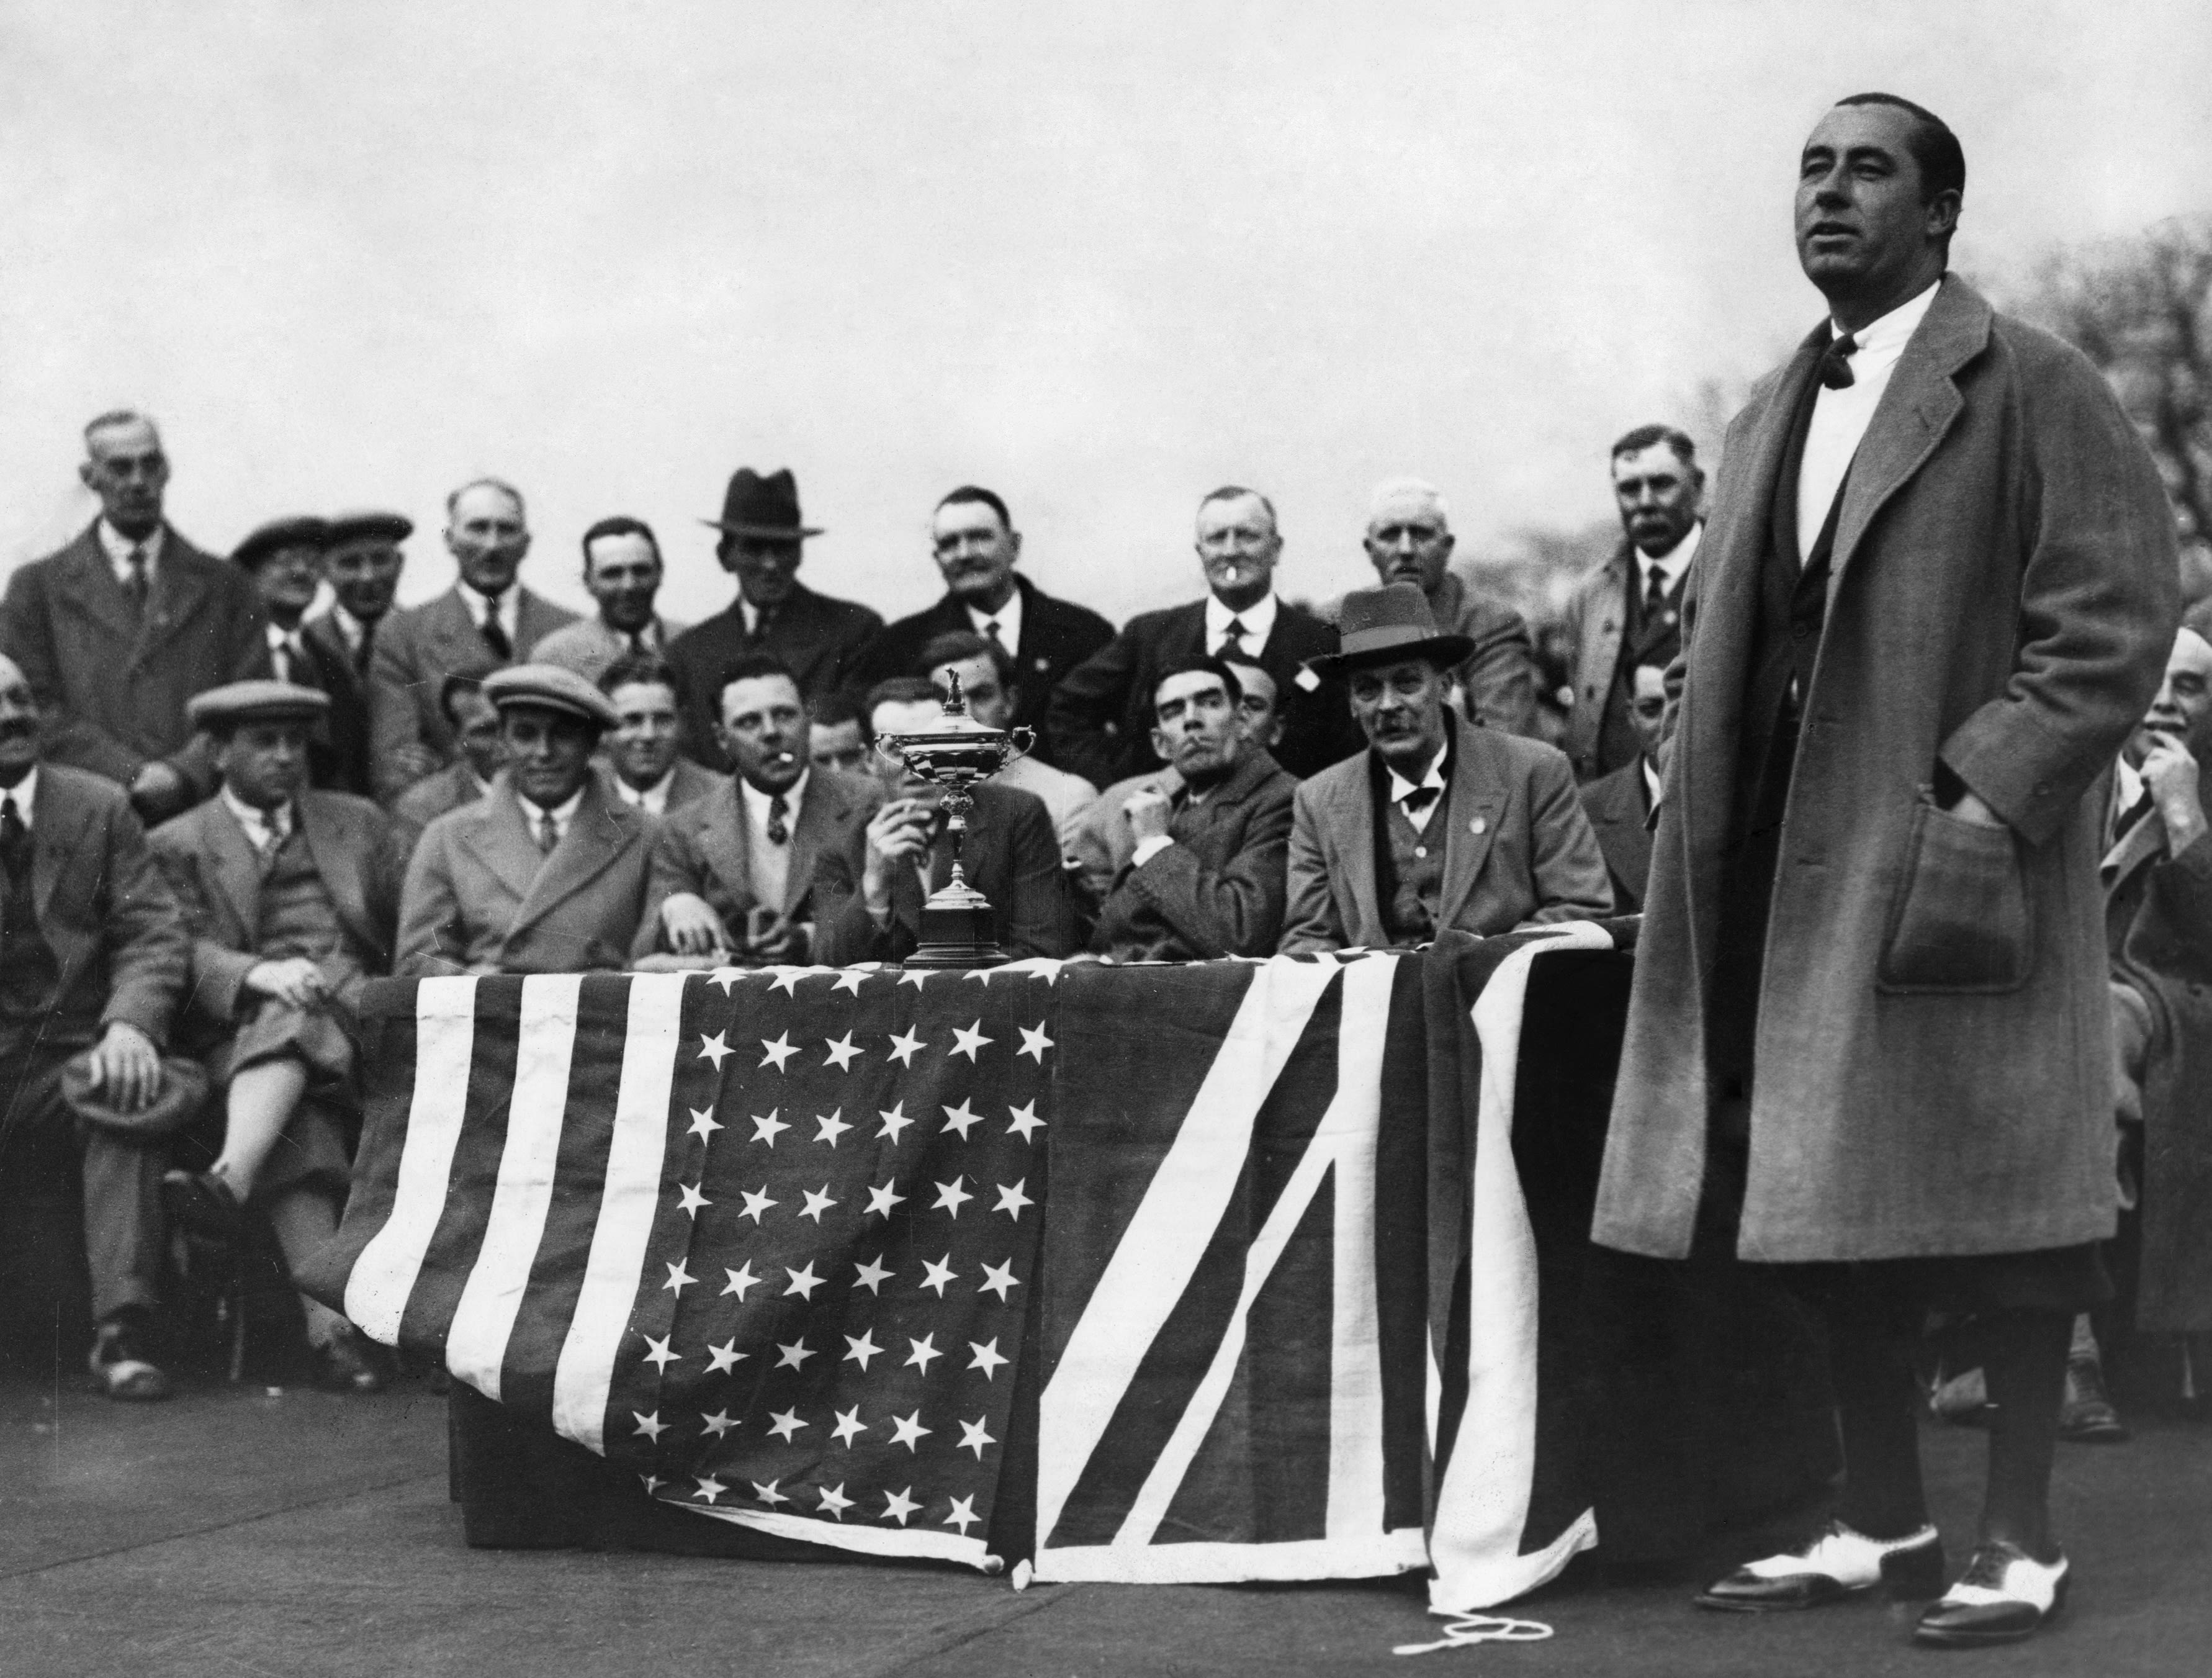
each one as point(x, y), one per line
point(86, 470)
point(1942, 212)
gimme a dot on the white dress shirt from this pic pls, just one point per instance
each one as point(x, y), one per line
point(118, 547)
point(287, 655)
point(1840, 418)
point(351, 629)
point(1008, 617)
point(562, 814)
point(265, 829)
point(25, 793)
point(1401, 789)
point(1669, 566)
point(507, 608)
point(769, 861)
point(1259, 621)
point(653, 799)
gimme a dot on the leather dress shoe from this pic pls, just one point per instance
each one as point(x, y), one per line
point(204, 1203)
point(346, 1363)
point(119, 1366)
point(2088, 1418)
point(1835, 1564)
point(2004, 1595)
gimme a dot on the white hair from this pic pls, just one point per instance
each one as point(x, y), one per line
point(1394, 492)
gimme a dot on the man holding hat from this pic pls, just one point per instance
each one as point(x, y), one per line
point(285, 558)
point(547, 872)
point(92, 958)
point(1437, 825)
point(816, 638)
point(291, 896)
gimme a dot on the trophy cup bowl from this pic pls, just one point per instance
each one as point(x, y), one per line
point(956, 927)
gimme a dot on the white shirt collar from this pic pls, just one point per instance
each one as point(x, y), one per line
point(351, 628)
point(483, 605)
point(1671, 565)
point(1259, 621)
point(1399, 786)
point(562, 814)
point(1008, 617)
point(1651, 781)
point(25, 793)
point(1882, 341)
point(757, 801)
point(262, 826)
point(117, 546)
point(653, 799)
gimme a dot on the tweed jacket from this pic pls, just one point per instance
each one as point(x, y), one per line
point(106, 911)
point(1218, 889)
point(1619, 806)
point(479, 897)
point(416, 651)
point(1100, 720)
point(1518, 852)
point(1597, 618)
point(1933, 1046)
point(590, 648)
point(216, 874)
point(706, 849)
point(114, 688)
point(1499, 676)
point(818, 637)
point(1056, 636)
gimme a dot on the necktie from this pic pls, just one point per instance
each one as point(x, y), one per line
point(368, 644)
point(763, 620)
point(1835, 363)
point(495, 636)
point(272, 839)
point(991, 630)
point(135, 587)
point(2129, 817)
point(15, 837)
point(548, 835)
point(779, 829)
point(1655, 592)
point(1232, 638)
point(292, 660)
point(1419, 800)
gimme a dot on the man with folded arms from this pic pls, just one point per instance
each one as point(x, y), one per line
point(291, 896)
point(645, 760)
point(545, 874)
point(1440, 825)
point(734, 874)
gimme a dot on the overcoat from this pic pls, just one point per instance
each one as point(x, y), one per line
point(1934, 1041)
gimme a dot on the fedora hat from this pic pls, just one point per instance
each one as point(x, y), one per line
point(1385, 625)
point(757, 505)
point(183, 1093)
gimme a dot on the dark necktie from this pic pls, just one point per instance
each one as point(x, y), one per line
point(991, 631)
point(2129, 817)
point(763, 621)
point(136, 586)
point(548, 835)
point(361, 653)
point(292, 665)
point(273, 836)
point(495, 637)
point(1655, 594)
point(1419, 799)
point(1232, 639)
point(1835, 363)
point(15, 837)
point(779, 828)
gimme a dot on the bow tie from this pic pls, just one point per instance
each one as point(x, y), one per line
point(1836, 363)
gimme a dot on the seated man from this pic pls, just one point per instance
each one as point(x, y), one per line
point(649, 770)
point(881, 880)
point(733, 874)
point(1205, 874)
point(290, 897)
point(546, 874)
point(93, 966)
point(837, 736)
point(1620, 804)
point(480, 755)
point(986, 681)
point(1437, 825)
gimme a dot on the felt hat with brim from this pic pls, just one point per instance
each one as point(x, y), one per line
point(550, 687)
point(261, 701)
point(184, 1091)
point(368, 526)
point(1387, 626)
point(304, 531)
point(757, 505)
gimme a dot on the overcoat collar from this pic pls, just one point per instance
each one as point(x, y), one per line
point(178, 593)
point(601, 829)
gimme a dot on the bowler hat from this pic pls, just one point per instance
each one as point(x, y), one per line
point(182, 1092)
point(757, 505)
point(304, 530)
point(369, 526)
point(257, 701)
point(1386, 625)
point(553, 687)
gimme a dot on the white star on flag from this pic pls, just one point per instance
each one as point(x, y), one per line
point(968, 1041)
point(679, 1279)
point(849, 1426)
point(817, 1202)
point(1012, 1201)
point(726, 977)
point(704, 1124)
point(924, 1350)
point(1025, 1120)
point(861, 1350)
point(787, 1423)
point(835, 1500)
point(906, 1046)
point(963, 1119)
point(768, 1129)
point(651, 1426)
point(718, 1424)
point(950, 1197)
point(940, 1273)
point(1001, 1277)
point(914, 975)
point(691, 1200)
point(794, 1355)
point(710, 1488)
point(786, 979)
point(779, 1051)
point(988, 1357)
point(963, 1514)
point(832, 1128)
point(756, 1203)
point(981, 975)
point(651, 1482)
point(849, 980)
point(883, 1197)
point(973, 1437)
point(741, 1277)
point(660, 1357)
point(804, 1281)
point(907, 1430)
point(894, 1121)
point(897, 1505)
point(1033, 1044)
point(724, 1359)
point(715, 1049)
point(873, 1275)
point(767, 1493)
point(842, 1052)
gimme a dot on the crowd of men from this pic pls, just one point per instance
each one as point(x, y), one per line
point(222, 811)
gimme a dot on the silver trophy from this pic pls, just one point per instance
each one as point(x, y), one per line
point(956, 921)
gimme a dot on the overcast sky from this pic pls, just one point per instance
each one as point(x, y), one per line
point(1100, 259)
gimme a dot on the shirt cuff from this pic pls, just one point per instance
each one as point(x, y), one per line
point(1148, 849)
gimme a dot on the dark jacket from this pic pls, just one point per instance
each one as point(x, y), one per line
point(340, 760)
point(1218, 889)
point(1619, 806)
point(819, 638)
point(1597, 618)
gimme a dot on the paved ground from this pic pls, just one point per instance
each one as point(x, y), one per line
point(246, 1531)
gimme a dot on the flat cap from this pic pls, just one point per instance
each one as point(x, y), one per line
point(553, 687)
point(259, 701)
point(304, 530)
point(370, 527)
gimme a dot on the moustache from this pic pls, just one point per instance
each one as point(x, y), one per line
point(19, 728)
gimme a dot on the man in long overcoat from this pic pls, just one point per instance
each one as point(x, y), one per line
point(1934, 597)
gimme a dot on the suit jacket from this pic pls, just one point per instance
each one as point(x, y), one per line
point(1597, 618)
point(1519, 852)
point(416, 651)
point(1499, 676)
point(105, 910)
point(479, 893)
point(339, 759)
point(112, 689)
point(1618, 806)
point(590, 648)
point(1218, 889)
point(413, 809)
point(1102, 714)
point(706, 849)
point(216, 874)
point(1011, 856)
point(1056, 636)
point(1934, 1046)
point(818, 637)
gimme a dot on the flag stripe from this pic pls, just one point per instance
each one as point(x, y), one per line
point(864, 1540)
point(1355, 1423)
point(636, 1153)
point(377, 1290)
point(476, 1345)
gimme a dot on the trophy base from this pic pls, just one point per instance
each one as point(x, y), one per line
point(956, 931)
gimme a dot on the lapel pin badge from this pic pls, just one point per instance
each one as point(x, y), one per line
point(1478, 827)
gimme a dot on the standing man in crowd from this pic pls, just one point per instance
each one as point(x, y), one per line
point(1628, 612)
point(646, 767)
point(977, 548)
point(361, 562)
point(1438, 825)
point(285, 558)
point(1100, 720)
point(816, 638)
point(1938, 586)
point(485, 621)
point(987, 683)
point(119, 629)
point(1620, 804)
point(1409, 539)
point(479, 754)
point(623, 573)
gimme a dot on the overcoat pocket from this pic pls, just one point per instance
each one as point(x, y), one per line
point(1960, 921)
